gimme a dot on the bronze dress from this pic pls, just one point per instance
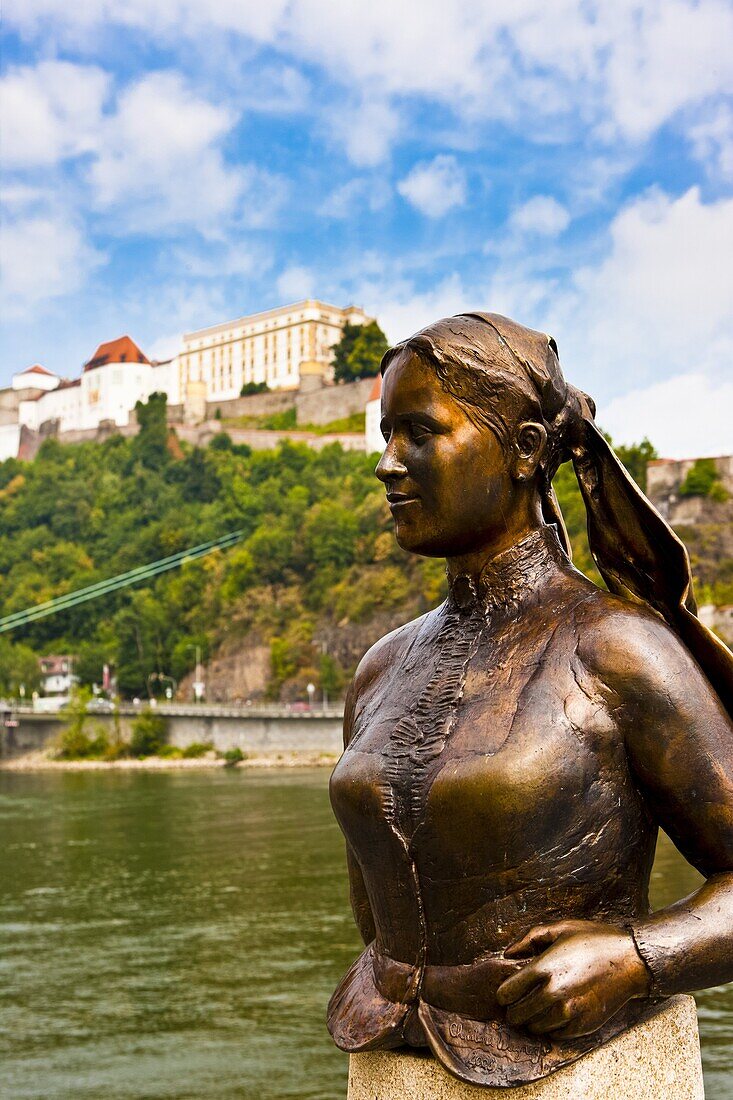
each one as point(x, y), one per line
point(481, 727)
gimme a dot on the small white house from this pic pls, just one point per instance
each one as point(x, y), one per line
point(57, 675)
point(35, 378)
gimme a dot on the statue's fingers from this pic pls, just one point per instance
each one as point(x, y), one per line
point(578, 1026)
point(558, 1017)
point(537, 939)
point(512, 989)
point(534, 1005)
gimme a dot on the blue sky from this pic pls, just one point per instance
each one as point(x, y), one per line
point(168, 164)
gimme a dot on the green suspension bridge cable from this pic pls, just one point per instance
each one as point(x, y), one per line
point(112, 584)
point(122, 579)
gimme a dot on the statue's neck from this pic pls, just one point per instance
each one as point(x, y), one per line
point(507, 577)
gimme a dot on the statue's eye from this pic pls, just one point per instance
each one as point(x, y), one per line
point(418, 432)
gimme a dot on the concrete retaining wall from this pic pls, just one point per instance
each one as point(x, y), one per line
point(329, 403)
point(257, 404)
point(318, 406)
point(250, 733)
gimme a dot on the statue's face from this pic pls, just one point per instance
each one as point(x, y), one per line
point(447, 481)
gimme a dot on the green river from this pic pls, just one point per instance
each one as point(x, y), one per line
point(178, 934)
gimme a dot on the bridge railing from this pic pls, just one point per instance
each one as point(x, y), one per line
point(199, 710)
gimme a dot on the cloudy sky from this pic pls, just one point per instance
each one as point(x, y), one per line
point(168, 164)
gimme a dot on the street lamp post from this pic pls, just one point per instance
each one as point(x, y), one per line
point(311, 689)
point(199, 686)
point(324, 652)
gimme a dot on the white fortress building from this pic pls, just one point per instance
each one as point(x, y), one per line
point(213, 364)
point(265, 347)
point(116, 377)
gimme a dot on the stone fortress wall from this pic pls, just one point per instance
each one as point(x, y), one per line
point(314, 404)
point(664, 476)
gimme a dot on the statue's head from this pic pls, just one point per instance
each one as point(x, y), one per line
point(477, 417)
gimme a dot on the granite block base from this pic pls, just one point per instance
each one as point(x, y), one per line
point(656, 1060)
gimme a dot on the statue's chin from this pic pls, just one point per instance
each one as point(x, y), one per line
point(417, 542)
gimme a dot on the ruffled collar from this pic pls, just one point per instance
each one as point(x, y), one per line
point(510, 576)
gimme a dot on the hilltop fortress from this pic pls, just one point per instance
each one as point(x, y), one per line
point(289, 350)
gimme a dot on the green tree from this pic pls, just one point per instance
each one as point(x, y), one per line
point(635, 458)
point(151, 443)
point(703, 480)
point(149, 732)
point(18, 665)
point(359, 352)
point(343, 349)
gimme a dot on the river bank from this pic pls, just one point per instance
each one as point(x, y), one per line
point(42, 761)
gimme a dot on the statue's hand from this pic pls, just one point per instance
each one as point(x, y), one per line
point(578, 975)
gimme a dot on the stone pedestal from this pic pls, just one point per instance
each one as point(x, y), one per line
point(657, 1060)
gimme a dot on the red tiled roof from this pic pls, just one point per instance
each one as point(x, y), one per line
point(122, 350)
point(53, 665)
point(37, 369)
point(376, 391)
point(65, 383)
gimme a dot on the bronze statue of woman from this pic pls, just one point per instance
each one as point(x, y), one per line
point(511, 755)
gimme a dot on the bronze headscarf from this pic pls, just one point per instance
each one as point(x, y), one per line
point(512, 373)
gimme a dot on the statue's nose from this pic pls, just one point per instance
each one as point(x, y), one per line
point(390, 466)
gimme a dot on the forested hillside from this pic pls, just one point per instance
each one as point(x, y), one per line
point(316, 578)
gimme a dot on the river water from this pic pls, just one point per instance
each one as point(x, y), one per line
point(178, 934)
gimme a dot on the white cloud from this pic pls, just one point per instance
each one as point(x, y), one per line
point(664, 55)
point(296, 282)
point(159, 163)
point(660, 302)
point(215, 259)
point(275, 90)
point(346, 201)
point(712, 141)
point(401, 309)
point(43, 256)
point(165, 347)
point(154, 157)
point(528, 61)
point(655, 308)
point(435, 187)
point(50, 112)
point(655, 305)
point(366, 131)
point(542, 215)
point(687, 416)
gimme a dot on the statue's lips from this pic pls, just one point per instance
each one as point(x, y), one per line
point(398, 500)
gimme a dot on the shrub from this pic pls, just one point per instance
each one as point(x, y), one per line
point(148, 734)
point(74, 743)
point(232, 757)
point(196, 749)
point(282, 421)
point(170, 752)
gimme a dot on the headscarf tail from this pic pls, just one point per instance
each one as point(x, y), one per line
point(640, 557)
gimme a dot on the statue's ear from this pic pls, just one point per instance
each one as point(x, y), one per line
point(530, 444)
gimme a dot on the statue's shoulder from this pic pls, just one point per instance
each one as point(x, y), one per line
point(623, 642)
point(385, 653)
